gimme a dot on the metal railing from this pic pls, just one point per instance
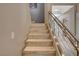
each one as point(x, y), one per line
point(72, 39)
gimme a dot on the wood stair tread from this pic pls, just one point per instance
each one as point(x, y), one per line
point(38, 24)
point(39, 40)
point(39, 49)
point(39, 30)
point(38, 33)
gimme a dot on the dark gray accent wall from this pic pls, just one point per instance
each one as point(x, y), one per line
point(37, 14)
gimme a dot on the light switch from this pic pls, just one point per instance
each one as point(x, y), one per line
point(12, 35)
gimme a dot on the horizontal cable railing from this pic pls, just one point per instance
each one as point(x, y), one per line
point(66, 32)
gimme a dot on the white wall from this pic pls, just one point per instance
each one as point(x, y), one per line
point(48, 7)
point(68, 15)
point(69, 19)
point(61, 8)
point(77, 22)
point(13, 18)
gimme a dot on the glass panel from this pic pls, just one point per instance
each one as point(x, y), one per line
point(64, 42)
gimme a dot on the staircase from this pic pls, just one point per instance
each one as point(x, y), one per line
point(39, 42)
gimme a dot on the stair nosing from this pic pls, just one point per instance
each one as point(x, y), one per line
point(38, 40)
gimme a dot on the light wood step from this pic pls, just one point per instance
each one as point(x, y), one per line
point(39, 51)
point(39, 28)
point(39, 31)
point(39, 42)
point(38, 24)
point(38, 36)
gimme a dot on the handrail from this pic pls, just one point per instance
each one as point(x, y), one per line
point(61, 25)
point(66, 29)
